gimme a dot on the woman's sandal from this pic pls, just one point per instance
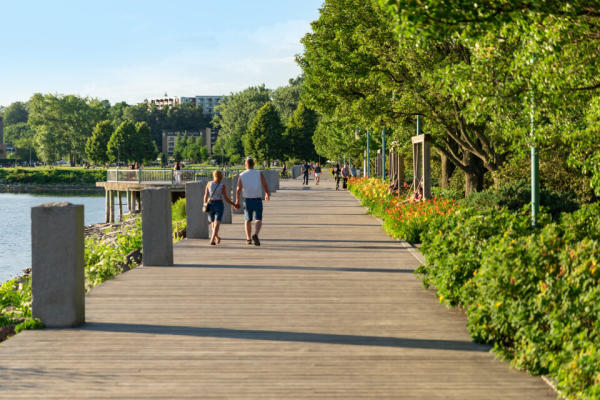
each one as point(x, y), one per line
point(218, 239)
point(212, 243)
point(248, 241)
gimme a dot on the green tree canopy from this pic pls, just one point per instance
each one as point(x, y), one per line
point(235, 113)
point(97, 145)
point(15, 113)
point(299, 134)
point(264, 137)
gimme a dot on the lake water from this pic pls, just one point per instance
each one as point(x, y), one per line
point(15, 226)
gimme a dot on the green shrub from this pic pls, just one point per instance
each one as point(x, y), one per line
point(516, 195)
point(453, 247)
point(52, 176)
point(178, 210)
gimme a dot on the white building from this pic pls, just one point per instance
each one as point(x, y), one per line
point(207, 103)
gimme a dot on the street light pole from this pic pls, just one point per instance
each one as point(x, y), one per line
point(535, 185)
point(383, 155)
point(368, 157)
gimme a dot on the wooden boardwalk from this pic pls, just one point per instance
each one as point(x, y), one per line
point(327, 307)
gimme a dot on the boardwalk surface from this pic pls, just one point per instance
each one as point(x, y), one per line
point(327, 307)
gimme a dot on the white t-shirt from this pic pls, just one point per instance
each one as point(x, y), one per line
point(251, 184)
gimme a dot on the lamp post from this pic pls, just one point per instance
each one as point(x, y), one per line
point(535, 186)
point(368, 156)
point(383, 155)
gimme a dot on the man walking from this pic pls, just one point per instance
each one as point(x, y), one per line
point(249, 184)
point(305, 169)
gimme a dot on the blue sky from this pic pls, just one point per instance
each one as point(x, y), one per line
point(132, 50)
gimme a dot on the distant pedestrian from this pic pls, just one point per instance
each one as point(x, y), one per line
point(251, 184)
point(338, 176)
point(353, 171)
point(306, 169)
point(177, 172)
point(345, 175)
point(317, 173)
point(214, 195)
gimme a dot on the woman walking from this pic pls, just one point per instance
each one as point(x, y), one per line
point(214, 196)
point(317, 173)
point(338, 176)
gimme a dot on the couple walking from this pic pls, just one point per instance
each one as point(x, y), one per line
point(250, 184)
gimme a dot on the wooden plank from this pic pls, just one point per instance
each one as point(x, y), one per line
point(326, 307)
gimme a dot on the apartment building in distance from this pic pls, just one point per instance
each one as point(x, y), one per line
point(169, 139)
point(207, 103)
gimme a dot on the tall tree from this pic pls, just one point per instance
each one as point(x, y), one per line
point(15, 113)
point(299, 134)
point(123, 143)
point(146, 149)
point(97, 145)
point(264, 137)
point(235, 113)
point(287, 98)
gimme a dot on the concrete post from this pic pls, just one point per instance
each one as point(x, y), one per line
point(157, 229)
point(112, 206)
point(271, 181)
point(120, 194)
point(227, 219)
point(197, 221)
point(234, 185)
point(57, 249)
point(106, 206)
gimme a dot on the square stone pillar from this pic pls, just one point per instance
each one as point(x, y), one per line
point(197, 221)
point(227, 218)
point(157, 227)
point(57, 261)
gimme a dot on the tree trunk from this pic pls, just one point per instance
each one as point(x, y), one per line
point(474, 175)
point(401, 173)
point(448, 169)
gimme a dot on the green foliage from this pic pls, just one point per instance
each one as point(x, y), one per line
point(132, 142)
point(32, 323)
point(299, 134)
point(62, 124)
point(97, 144)
point(264, 140)
point(518, 194)
point(235, 113)
point(15, 113)
point(178, 210)
point(52, 176)
point(286, 98)
point(103, 260)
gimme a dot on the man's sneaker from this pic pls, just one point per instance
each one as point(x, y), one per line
point(255, 239)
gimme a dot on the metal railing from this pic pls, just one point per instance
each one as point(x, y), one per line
point(164, 175)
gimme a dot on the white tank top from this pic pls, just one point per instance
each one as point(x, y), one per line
point(251, 184)
point(216, 189)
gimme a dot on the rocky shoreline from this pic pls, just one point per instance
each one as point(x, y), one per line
point(37, 188)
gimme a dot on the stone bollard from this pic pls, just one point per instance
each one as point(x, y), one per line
point(273, 187)
point(197, 221)
point(57, 261)
point(157, 227)
point(234, 184)
point(227, 219)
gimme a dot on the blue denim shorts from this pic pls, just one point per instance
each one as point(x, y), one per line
point(216, 210)
point(253, 209)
